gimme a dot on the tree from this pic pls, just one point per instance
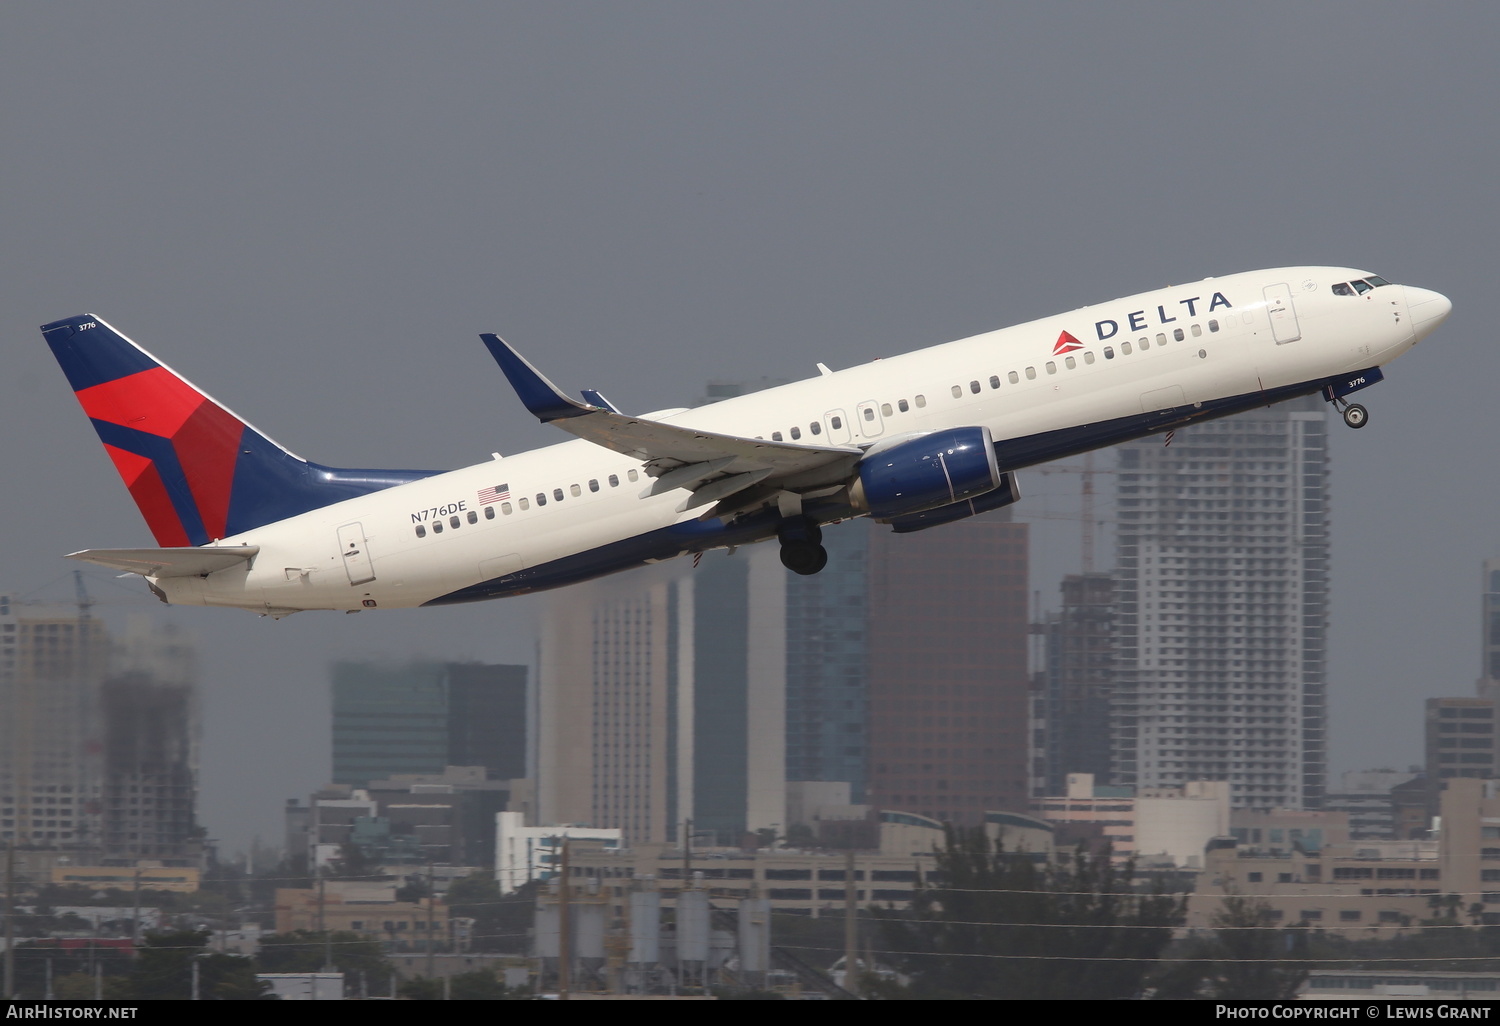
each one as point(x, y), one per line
point(1000, 924)
point(164, 970)
point(1248, 958)
point(501, 921)
point(303, 951)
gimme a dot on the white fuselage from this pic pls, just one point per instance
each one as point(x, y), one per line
point(1242, 335)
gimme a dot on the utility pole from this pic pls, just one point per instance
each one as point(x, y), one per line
point(10, 921)
point(323, 928)
point(851, 925)
point(430, 940)
point(564, 934)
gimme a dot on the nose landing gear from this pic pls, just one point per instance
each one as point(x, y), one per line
point(802, 549)
point(1355, 415)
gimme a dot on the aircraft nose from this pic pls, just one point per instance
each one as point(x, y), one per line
point(1428, 309)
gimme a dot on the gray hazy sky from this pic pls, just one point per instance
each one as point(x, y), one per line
point(311, 210)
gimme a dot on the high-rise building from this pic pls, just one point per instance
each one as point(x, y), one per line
point(1489, 672)
point(948, 676)
point(98, 738)
point(1223, 606)
point(1077, 681)
point(827, 662)
point(421, 717)
point(51, 778)
point(607, 698)
point(662, 701)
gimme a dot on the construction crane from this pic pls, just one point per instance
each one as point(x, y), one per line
point(1090, 521)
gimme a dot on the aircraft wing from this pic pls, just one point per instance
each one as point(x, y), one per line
point(671, 451)
point(178, 562)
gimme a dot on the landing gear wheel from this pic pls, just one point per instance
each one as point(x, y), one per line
point(1356, 416)
point(803, 557)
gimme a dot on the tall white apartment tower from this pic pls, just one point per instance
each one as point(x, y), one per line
point(1223, 607)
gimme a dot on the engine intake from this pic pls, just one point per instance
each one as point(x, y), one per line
point(934, 470)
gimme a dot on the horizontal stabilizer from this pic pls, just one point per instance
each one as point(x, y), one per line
point(183, 562)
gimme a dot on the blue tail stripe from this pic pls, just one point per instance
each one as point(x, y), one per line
point(270, 484)
point(161, 454)
point(97, 361)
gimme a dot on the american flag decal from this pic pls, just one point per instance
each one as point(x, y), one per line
point(495, 494)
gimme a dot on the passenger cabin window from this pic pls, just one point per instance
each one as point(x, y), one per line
point(903, 405)
point(421, 531)
point(957, 391)
point(1071, 363)
point(453, 522)
point(885, 409)
point(505, 507)
point(776, 436)
point(1124, 348)
point(541, 498)
point(633, 474)
point(1013, 377)
point(489, 511)
point(836, 422)
point(614, 480)
point(974, 387)
point(1197, 330)
point(921, 401)
point(473, 517)
point(1177, 334)
point(796, 433)
point(1213, 326)
point(815, 427)
point(1109, 354)
point(525, 503)
point(1030, 373)
point(574, 491)
point(593, 484)
point(994, 381)
point(1161, 339)
point(869, 413)
point(557, 494)
point(1051, 367)
point(1088, 357)
point(1144, 343)
point(437, 527)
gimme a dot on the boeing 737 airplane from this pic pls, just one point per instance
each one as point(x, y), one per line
point(914, 441)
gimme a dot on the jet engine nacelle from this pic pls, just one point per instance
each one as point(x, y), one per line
point(932, 470)
point(1007, 493)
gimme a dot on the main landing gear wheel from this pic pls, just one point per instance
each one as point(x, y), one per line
point(802, 551)
point(1356, 416)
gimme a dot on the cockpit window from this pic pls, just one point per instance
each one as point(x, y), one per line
point(1377, 282)
point(1361, 286)
point(1343, 289)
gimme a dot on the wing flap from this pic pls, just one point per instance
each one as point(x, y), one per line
point(175, 562)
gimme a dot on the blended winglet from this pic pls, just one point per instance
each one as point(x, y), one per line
point(540, 396)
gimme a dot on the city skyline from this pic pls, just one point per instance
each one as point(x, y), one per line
point(632, 198)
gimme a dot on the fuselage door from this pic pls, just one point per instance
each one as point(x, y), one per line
point(870, 424)
point(1283, 314)
point(837, 426)
point(356, 554)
